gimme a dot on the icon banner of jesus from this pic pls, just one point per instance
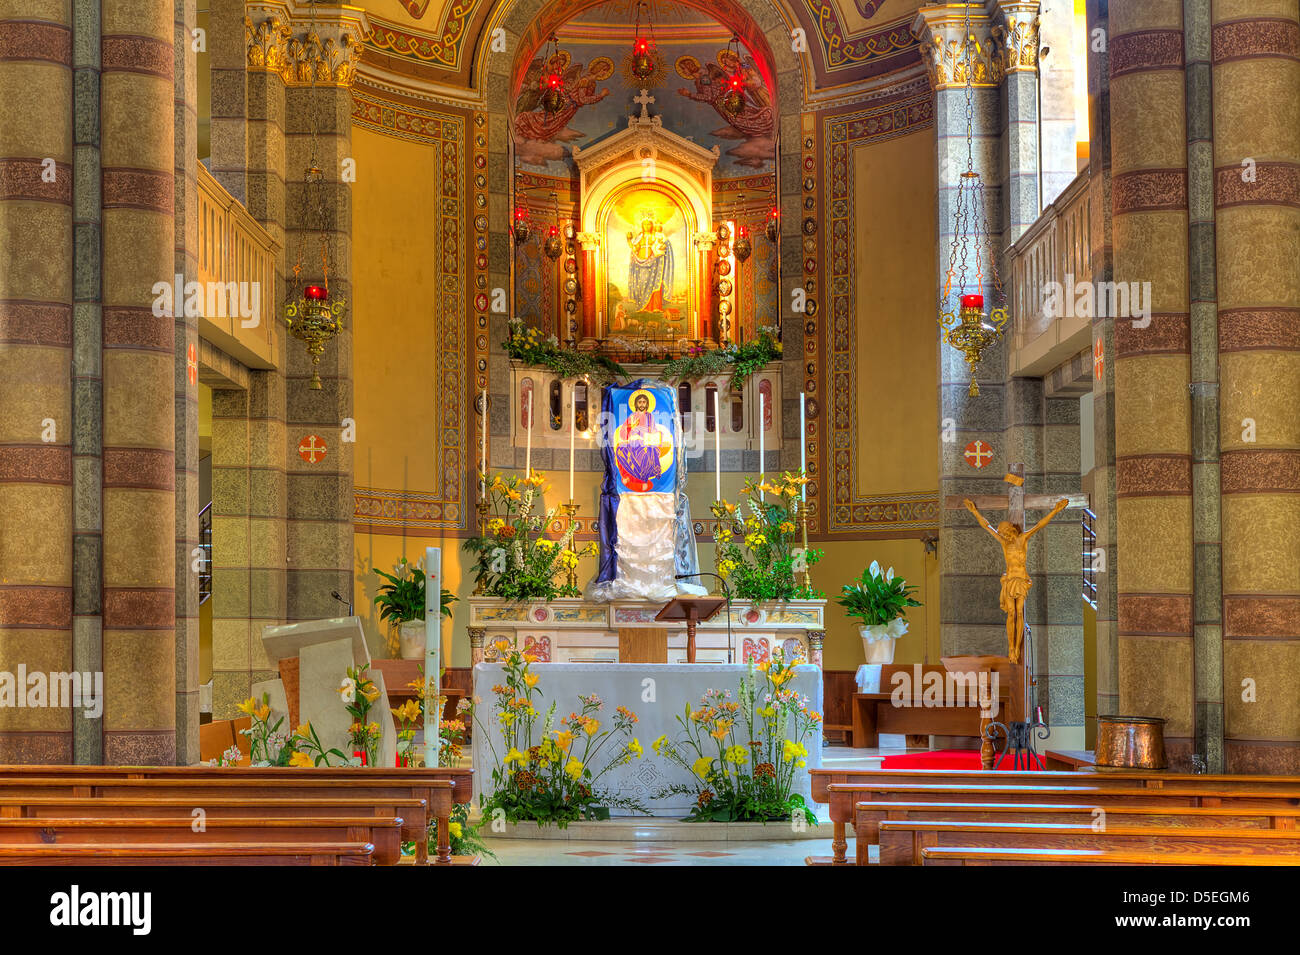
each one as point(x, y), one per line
point(643, 446)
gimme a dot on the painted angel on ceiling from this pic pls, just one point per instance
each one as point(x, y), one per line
point(756, 118)
point(539, 135)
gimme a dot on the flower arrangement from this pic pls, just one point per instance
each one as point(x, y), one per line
point(757, 541)
point(879, 599)
point(401, 597)
point(743, 360)
point(451, 733)
point(359, 693)
point(526, 344)
point(743, 753)
point(548, 772)
point(270, 747)
point(408, 716)
point(516, 560)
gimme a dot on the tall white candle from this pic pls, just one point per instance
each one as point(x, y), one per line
point(573, 427)
point(803, 447)
point(432, 652)
point(717, 449)
point(762, 440)
point(483, 452)
point(528, 423)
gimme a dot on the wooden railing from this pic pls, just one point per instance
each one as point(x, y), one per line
point(1057, 248)
point(237, 274)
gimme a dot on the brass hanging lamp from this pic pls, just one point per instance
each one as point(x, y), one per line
point(313, 316)
point(962, 313)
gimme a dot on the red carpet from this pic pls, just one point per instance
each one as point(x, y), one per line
point(937, 759)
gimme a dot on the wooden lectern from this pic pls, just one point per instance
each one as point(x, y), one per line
point(692, 610)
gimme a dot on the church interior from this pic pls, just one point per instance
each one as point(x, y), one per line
point(876, 423)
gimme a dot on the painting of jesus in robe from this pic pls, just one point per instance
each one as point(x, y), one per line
point(643, 448)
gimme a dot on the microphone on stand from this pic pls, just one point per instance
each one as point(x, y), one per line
point(335, 595)
point(726, 592)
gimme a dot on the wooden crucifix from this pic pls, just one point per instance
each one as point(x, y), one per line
point(1014, 540)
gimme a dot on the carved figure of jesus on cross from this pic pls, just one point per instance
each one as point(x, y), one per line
point(1014, 540)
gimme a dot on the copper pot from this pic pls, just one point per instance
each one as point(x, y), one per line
point(1131, 742)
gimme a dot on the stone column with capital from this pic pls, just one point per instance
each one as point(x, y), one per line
point(589, 244)
point(816, 641)
point(970, 562)
point(476, 635)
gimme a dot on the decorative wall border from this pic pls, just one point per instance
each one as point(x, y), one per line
point(841, 133)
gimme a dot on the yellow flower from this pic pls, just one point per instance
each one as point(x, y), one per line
point(787, 527)
point(300, 759)
point(701, 767)
point(660, 743)
point(501, 644)
point(545, 543)
point(530, 679)
point(304, 730)
point(455, 830)
point(719, 733)
point(736, 754)
point(507, 718)
point(792, 750)
point(262, 712)
point(370, 692)
point(248, 706)
point(573, 768)
point(514, 756)
point(635, 749)
point(755, 540)
point(496, 524)
point(590, 726)
point(563, 739)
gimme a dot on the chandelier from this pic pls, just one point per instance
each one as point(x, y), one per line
point(552, 82)
point(966, 327)
point(644, 62)
point(312, 316)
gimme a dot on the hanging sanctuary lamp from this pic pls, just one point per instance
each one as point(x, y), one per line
point(552, 81)
point(313, 317)
point(553, 245)
point(733, 100)
point(962, 314)
point(644, 62)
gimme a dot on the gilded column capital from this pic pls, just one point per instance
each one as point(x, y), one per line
point(947, 49)
point(299, 43)
point(705, 241)
point(589, 241)
point(1015, 33)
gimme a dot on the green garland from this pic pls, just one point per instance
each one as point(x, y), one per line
point(527, 345)
point(743, 360)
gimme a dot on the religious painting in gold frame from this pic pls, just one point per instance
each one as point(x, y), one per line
point(649, 263)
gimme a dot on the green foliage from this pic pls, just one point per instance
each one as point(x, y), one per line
point(878, 598)
point(760, 552)
point(527, 345)
point(743, 360)
point(743, 754)
point(402, 597)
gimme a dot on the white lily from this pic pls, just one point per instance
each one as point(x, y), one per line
point(875, 568)
point(348, 690)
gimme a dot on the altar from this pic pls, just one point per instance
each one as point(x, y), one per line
point(657, 694)
point(576, 630)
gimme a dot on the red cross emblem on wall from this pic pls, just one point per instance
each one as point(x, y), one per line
point(1098, 354)
point(978, 454)
point(311, 449)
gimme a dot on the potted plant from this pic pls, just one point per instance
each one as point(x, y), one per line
point(880, 601)
point(401, 602)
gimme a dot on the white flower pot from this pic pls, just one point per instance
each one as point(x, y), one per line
point(878, 642)
point(412, 639)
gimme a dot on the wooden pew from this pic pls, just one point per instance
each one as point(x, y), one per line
point(869, 815)
point(1085, 857)
point(258, 785)
point(384, 833)
point(461, 779)
point(841, 788)
point(317, 853)
point(901, 841)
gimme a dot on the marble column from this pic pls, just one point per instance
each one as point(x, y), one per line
point(138, 158)
point(36, 318)
point(1256, 115)
point(1152, 359)
point(970, 560)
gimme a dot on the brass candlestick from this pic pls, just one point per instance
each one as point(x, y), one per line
point(570, 511)
point(483, 507)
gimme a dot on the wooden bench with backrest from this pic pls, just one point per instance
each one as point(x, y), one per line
point(842, 789)
point(259, 785)
point(869, 815)
point(901, 841)
point(382, 833)
point(1085, 857)
point(460, 778)
point(234, 853)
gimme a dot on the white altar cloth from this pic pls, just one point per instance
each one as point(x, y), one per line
point(656, 693)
